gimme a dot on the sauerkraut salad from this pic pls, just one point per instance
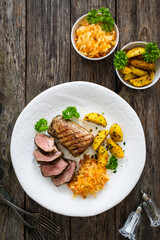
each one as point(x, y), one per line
point(91, 41)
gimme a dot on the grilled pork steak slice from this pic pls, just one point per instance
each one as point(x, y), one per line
point(55, 169)
point(44, 143)
point(46, 158)
point(67, 175)
point(71, 135)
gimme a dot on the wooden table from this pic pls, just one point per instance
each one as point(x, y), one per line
point(35, 54)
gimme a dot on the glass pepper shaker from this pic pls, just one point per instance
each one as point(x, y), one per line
point(152, 210)
point(131, 225)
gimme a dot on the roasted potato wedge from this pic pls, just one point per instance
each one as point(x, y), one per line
point(115, 149)
point(102, 156)
point(138, 72)
point(134, 52)
point(151, 75)
point(125, 70)
point(143, 65)
point(99, 138)
point(95, 118)
point(129, 76)
point(116, 133)
point(142, 81)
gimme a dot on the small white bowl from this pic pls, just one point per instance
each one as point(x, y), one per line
point(73, 35)
point(157, 62)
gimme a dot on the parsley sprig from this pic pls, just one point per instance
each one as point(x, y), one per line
point(70, 112)
point(151, 53)
point(102, 16)
point(112, 163)
point(41, 125)
point(120, 60)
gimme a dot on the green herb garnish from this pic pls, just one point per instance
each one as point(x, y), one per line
point(151, 53)
point(102, 16)
point(120, 60)
point(41, 125)
point(112, 163)
point(70, 112)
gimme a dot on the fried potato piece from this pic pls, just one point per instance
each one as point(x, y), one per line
point(142, 81)
point(135, 52)
point(115, 149)
point(138, 72)
point(95, 118)
point(125, 70)
point(99, 138)
point(143, 65)
point(129, 76)
point(102, 156)
point(151, 74)
point(116, 133)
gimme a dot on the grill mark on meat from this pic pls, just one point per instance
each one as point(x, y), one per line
point(71, 135)
point(78, 152)
point(65, 136)
point(78, 149)
point(79, 145)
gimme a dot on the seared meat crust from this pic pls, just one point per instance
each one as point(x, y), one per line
point(71, 135)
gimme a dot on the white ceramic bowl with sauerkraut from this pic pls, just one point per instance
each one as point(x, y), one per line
point(91, 42)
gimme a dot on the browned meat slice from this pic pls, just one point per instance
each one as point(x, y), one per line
point(71, 135)
point(44, 143)
point(46, 158)
point(55, 169)
point(67, 175)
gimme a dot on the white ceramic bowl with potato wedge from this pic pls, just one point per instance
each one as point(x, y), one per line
point(73, 36)
point(157, 72)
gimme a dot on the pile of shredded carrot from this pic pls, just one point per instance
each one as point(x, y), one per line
point(92, 41)
point(90, 179)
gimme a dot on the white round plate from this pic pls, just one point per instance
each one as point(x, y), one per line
point(87, 97)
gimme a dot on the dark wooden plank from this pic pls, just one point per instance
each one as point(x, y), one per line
point(141, 21)
point(12, 101)
point(48, 64)
point(101, 72)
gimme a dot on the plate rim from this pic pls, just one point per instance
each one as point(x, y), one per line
point(50, 89)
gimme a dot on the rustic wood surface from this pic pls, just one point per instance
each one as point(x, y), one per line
point(35, 54)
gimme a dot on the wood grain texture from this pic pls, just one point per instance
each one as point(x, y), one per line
point(12, 101)
point(35, 54)
point(48, 45)
point(48, 64)
point(140, 23)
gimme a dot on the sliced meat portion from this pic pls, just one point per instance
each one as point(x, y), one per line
point(71, 135)
point(44, 143)
point(67, 175)
point(55, 169)
point(47, 158)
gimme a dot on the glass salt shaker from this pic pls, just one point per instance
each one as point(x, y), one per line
point(152, 210)
point(131, 225)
